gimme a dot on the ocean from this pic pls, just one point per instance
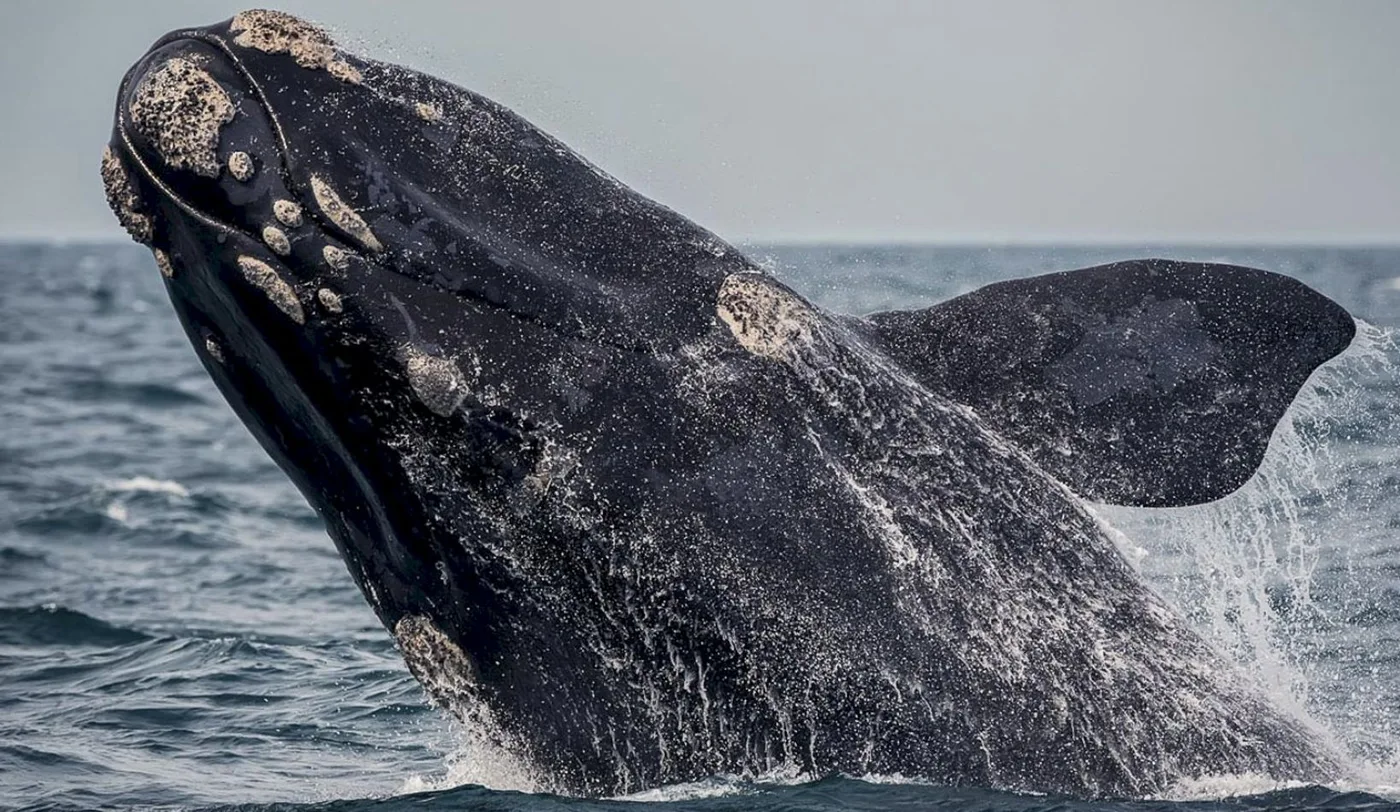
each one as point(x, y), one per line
point(178, 632)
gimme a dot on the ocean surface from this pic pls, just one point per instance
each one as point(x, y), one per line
point(177, 631)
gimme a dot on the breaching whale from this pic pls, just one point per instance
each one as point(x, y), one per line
point(645, 514)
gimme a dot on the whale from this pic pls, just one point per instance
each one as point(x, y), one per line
point(638, 512)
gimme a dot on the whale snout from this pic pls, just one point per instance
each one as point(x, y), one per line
point(174, 108)
point(258, 143)
point(177, 102)
point(200, 168)
point(192, 135)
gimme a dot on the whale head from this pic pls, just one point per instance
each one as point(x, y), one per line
point(379, 268)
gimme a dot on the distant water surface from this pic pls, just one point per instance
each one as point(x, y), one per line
point(177, 631)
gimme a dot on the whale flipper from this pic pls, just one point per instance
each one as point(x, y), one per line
point(1149, 382)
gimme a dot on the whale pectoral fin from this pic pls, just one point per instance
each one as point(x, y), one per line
point(1151, 382)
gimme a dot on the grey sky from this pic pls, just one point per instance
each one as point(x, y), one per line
point(829, 119)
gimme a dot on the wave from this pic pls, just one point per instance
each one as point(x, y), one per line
point(145, 484)
point(17, 556)
point(51, 625)
point(838, 794)
point(154, 395)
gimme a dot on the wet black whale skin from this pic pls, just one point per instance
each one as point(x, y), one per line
point(632, 551)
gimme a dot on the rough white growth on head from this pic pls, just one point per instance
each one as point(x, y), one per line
point(438, 382)
point(767, 320)
point(337, 258)
point(212, 347)
point(344, 71)
point(287, 213)
point(346, 218)
point(276, 32)
point(240, 166)
point(329, 299)
point(163, 263)
point(181, 108)
point(262, 275)
point(122, 198)
point(428, 112)
point(276, 239)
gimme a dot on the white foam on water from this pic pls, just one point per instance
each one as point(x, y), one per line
point(719, 786)
point(117, 512)
point(145, 484)
point(1220, 787)
point(897, 779)
point(476, 760)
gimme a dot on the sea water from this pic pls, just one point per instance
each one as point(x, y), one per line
point(177, 631)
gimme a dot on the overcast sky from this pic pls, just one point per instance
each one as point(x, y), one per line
point(828, 119)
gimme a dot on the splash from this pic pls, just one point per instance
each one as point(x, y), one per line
point(1220, 787)
point(476, 759)
point(1244, 570)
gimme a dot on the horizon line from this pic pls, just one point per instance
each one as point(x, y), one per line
point(913, 240)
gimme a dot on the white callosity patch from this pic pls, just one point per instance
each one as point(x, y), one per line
point(437, 662)
point(337, 258)
point(262, 275)
point(428, 112)
point(276, 32)
point(240, 166)
point(276, 239)
point(181, 108)
point(163, 263)
point(330, 300)
point(122, 198)
point(287, 213)
point(767, 320)
point(344, 71)
point(438, 382)
point(450, 679)
point(212, 347)
point(338, 212)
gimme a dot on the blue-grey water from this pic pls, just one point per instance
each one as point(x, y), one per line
point(177, 631)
